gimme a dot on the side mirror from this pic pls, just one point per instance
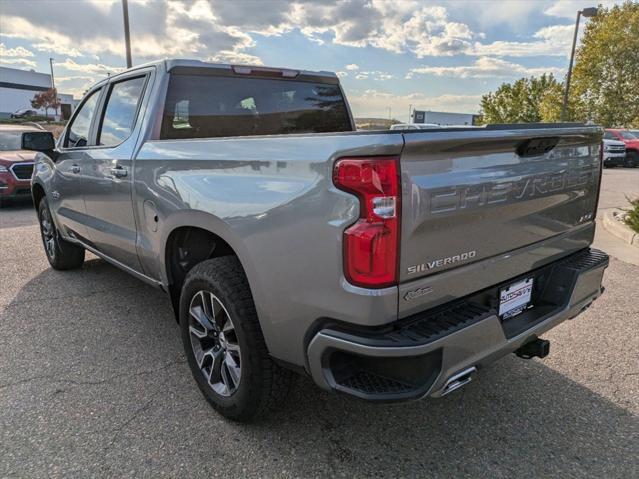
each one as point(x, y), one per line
point(38, 141)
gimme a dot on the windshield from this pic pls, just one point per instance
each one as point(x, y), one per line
point(626, 135)
point(10, 140)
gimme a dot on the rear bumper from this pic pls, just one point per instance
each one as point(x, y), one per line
point(418, 356)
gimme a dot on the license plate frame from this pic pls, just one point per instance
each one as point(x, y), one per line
point(515, 298)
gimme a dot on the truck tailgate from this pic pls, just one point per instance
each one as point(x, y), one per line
point(469, 195)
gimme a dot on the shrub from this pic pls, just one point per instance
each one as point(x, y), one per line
point(632, 218)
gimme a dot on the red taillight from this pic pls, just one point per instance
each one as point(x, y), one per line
point(371, 245)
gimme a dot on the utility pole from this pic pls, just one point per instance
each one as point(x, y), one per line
point(52, 79)
point(410, 107)
point(53, 84)
point(586, 12)
point(127, 36)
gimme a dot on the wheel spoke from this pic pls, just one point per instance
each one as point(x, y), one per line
point(202, 355)
point(233, 370)
point(201, 334)
point(205, 301)
point(219, 314)
point(215, 373)
point(199, 314)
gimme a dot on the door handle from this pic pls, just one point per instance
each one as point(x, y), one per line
point(75, 169)
point(119, 172)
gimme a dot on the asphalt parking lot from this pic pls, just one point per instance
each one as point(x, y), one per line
point(93, 382)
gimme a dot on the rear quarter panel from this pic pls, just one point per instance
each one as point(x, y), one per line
point(272, 199)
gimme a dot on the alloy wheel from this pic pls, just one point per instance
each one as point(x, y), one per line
point(215, 343)
point(48, 232)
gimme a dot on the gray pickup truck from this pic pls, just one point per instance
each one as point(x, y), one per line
point(387, 265)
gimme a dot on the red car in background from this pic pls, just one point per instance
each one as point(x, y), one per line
point(632, 144)
point(16, 165)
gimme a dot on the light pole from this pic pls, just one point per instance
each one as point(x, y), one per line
point(53, 84)
point(52, 79)
point(410, 107)
point(127, 37)
point(586, 12)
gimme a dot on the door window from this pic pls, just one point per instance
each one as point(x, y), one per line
point(121, 111)
point(78, 133)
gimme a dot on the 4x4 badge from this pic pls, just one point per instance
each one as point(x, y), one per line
point(417, 293)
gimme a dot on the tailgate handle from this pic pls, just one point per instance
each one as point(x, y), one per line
point(537, 146)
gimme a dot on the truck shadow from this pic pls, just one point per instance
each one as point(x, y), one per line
point(517, 418)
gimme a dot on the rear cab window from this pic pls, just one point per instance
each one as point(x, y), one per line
point(207, 106)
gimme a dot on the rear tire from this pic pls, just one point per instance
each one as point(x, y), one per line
point(224, 344)
point(62, 254)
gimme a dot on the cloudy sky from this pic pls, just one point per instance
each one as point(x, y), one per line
point(438, 55)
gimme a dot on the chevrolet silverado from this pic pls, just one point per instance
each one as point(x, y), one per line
point(389, 265)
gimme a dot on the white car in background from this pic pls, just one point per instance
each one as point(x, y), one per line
point(614, 153)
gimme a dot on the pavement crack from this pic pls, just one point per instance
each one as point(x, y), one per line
point(117, 431)
point(75, 382)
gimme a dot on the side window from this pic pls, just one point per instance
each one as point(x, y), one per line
point(78, 132)
point(120, 113)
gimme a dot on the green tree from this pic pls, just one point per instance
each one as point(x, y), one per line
point(605, 81)
point(526, 100)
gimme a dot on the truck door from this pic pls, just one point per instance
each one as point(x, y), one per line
point(107, 177)
point(66, 199)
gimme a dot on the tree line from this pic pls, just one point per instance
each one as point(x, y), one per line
point(605, 80)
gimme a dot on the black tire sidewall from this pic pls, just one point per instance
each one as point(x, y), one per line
point(243, 400)
point(67, 255)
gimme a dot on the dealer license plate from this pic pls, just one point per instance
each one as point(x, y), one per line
point(515, 298)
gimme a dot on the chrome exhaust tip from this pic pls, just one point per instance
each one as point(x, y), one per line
point(458, 380)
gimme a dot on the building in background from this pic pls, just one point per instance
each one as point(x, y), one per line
point(444, 118)
point(17, 88)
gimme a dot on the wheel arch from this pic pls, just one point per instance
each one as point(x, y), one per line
point(37, 193)
point(191, 238)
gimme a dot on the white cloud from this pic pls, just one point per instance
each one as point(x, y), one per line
point(14, 52)
point(341, 74)
point(569, 8)
point(374, 103)
point(373, 75)
point(74, 84)
point(89, 68)
point(555, 40)
point(485, 67)
point(43, 38)
point(229, 56)
point(19, 62)
point(352, 66)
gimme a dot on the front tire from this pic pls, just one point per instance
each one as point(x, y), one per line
point(632, 160)
point(62, 254)
point(224, 344)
